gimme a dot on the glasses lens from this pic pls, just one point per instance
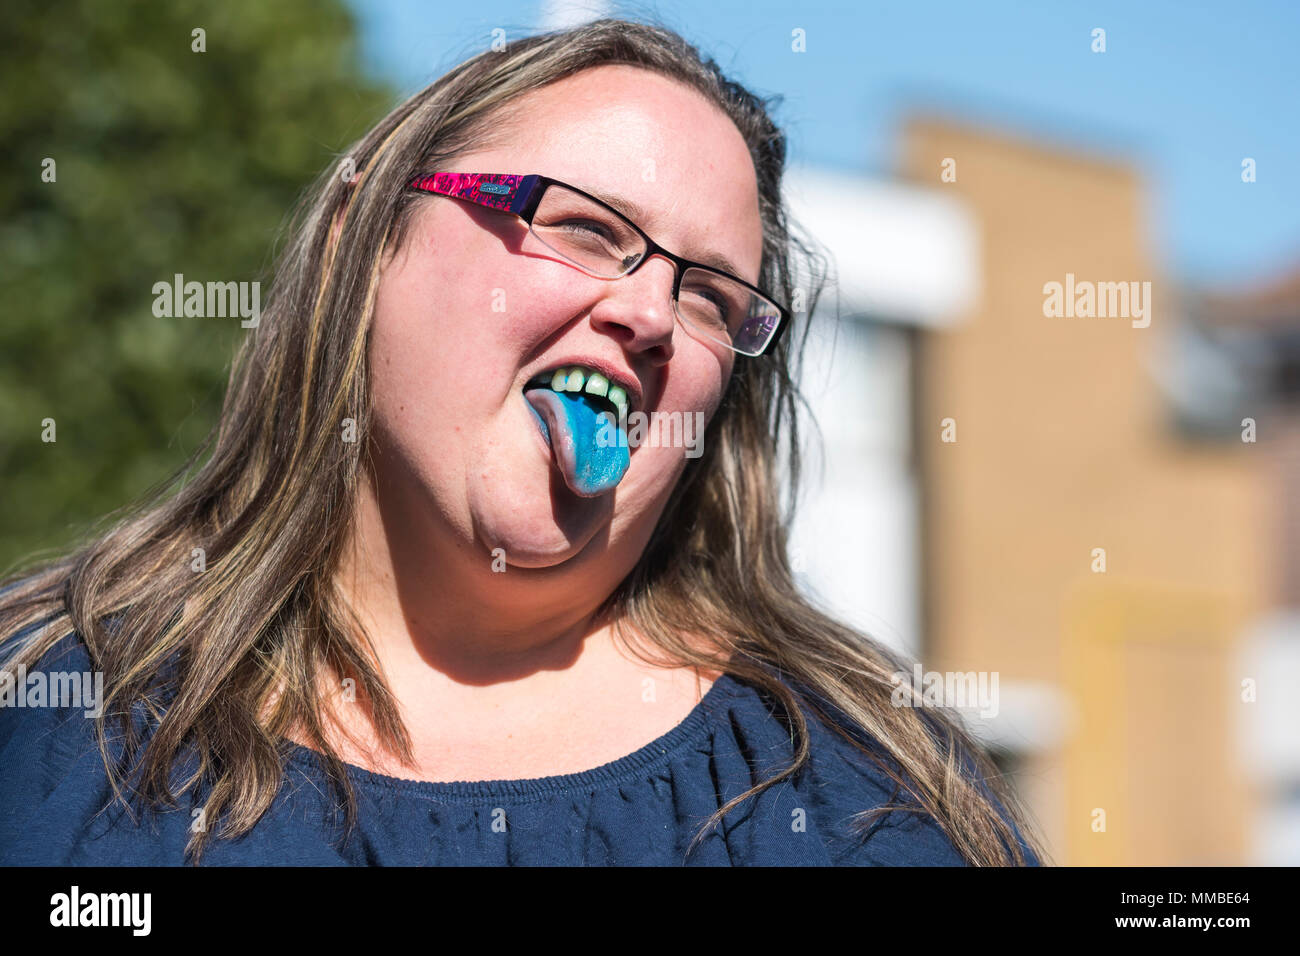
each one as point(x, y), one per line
point(726, 311)
point(602, 243)
point(586, 233)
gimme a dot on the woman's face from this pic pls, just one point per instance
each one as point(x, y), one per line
point(468, 312)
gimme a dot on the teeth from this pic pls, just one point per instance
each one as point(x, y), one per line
point(618, 396)
point(575, 378)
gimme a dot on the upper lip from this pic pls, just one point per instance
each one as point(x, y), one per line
point(616, 375)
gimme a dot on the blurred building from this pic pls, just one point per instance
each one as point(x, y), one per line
point(1244, 364)
point(1093, 508)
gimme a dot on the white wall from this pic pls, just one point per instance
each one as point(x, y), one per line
point(856, 535)
point(900, 256)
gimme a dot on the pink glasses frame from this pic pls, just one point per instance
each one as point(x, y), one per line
point(521, 195)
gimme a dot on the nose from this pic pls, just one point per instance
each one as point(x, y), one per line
point(638, 311)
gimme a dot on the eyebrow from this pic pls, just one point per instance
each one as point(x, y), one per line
point(637, 214)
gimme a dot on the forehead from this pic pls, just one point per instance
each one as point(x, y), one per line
point(624, 133)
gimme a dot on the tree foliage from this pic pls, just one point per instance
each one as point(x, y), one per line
point(166, 160)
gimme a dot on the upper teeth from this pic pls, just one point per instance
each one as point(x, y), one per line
point(577, 378)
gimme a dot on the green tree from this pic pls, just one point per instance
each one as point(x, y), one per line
point(165, 160)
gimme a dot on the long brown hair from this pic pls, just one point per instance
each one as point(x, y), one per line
point(253, 643)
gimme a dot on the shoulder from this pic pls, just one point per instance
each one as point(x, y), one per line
point(857, 795)
point(53, 780)
point(44, 703)
point(57, 804)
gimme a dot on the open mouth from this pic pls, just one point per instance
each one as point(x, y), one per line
point(591, 386)
point(582, 415)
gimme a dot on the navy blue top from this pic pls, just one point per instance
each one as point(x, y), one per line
point(642, 809)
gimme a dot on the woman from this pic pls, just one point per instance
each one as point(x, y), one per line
point(430, 600)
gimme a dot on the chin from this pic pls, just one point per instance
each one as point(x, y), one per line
point(543, 530)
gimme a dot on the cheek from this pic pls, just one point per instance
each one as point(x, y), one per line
point(676, 432)
point(423, 356)
point(450, 334)
point(409, 363)
point(424, 334)
point(699, 378)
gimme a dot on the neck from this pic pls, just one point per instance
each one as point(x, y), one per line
point(432, 605)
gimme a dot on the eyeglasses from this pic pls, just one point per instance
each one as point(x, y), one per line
point(604, 243)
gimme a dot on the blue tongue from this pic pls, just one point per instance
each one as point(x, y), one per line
point(590, 447)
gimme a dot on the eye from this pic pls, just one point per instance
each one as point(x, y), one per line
point(589, 226)
point(709, 295)
point(719, 301)
point(704, 305)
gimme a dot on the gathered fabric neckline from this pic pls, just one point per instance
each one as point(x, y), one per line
point(613, 772)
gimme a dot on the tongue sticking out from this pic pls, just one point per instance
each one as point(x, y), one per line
point(590, 449)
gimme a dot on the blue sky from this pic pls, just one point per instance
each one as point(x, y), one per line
point(1184, 91)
